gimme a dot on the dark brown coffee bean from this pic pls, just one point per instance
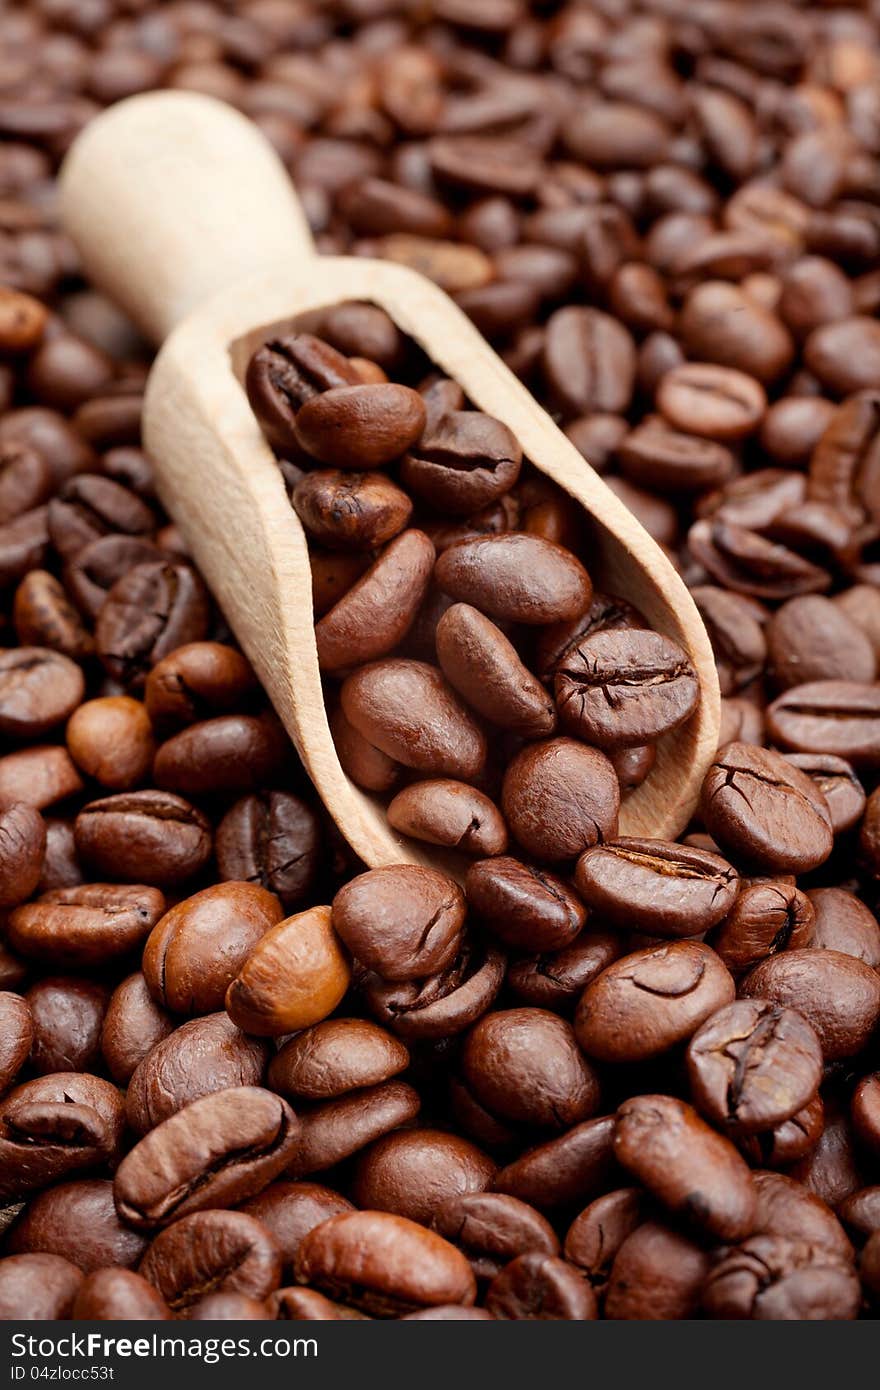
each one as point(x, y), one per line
point(524, 1065)
point(720, 322)
point(95, 569)
point(809, 639)
point(295, 976)
point(360, 427)
point(702, 398)
point(412, 1171)
point(839, 994)
point(559, 797)
point(67, 1016)
point(284, 374)
point(517, 577)
point(149, 611)
point(764, 811)
point(769, 915)
point(572, 1167)
point(39, 776)
point(402, 921)
point(443, 1004)
point(845, 354)
point(786, 1208)
point(195, 952)
point(334, 1057)
point(689, 1168)
point(291, 1209)
point(866, 1111)
point(44, 617)
point(661, 458)
point(54, 1126)
point(604, 612)
point(26, 480)
point(39, 689)
point(657, 1275)
point(37, 1287)
point(465, 461)
point(109, 1295)
point(838, 783)
point(536, 1286)
point(271, 839)
point(216, 1251)
point(79, 1219)
point(407, 710)
point(739, 559)
point(232, 753)
point(647, 1002)
point(144, 837)
point(196, 681)
point(22, 852)
point(376, 613)
point(200, 1057)
point(657, 887)
point(133, 1025)
point(444, 812)
point(524, 906)
point(16, 1037)
point(350, 511)
point(829, 716)
point(557, 979)
point(384, 1264)
point(595, 1236)
point(772, 1278)
point(753, 1065)
point(622, 688)
point(85, 925)
point(843, 923)
point(492, 1229)
point(225, 1148)
point(339, 1128)
point(89, 506)
point(844, 463)
point(111, 739)
point(484, 667)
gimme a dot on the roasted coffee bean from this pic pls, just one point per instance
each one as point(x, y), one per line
point(773, 1278)
point(39, 689)
point(492, 1229)
point(54, 1126)
point(769, 915)
point(339, 1128)
point(45, 617)
point(110, 1295)
point(339, 1055)
point(689, 1168)
point(484, 667)
point(365, 764)
point(657, 1275)
point(808, 640)
point(306, 1305)
point(408, 711)
point(284, 374)
point(295, 976)
point(91, 575)
point(225, 1148)
point(829, 716)
point(232, 753)
point(78, 1219)
point(22, 852)
point(195, 681)
point(144, 836)
point(133, 1025)
point(360, 427)
point(111, 740)
point(211, 1252)
point(152, 609)
point(383, 1264)
point(272, 839)
point(739, 559)
point(589, 361)
point(839, 994)
point(412, 1171)
point(597, 1233)
point(559, 797)
point(537, 1286)
point(702, 398)
point(37, 1287)
point(838, 783)
point(350, 511)
point(402, 921)
point(200, 1057)
point(444, 812)
point(605, 611)
point(291, 1209)
point(656, 456)
point(67, 1016)
point(524, 1066)
point(787, 1208)
point(753, 1065)
point(647, 1002)
point(89, 506)
point(557, 979)
point(40, 776)
point(443, 1004)
point(789, 1142)
point(621, 688)
point(524, 906)
point(196, 950)
point(375, 614)
point(764, 811)
point(657, 887)
point(464, 461)
point(570, 1168)
point(866, 1111)
point(843, 923)
point(85, 925)
point(517, 577)
point(16, 1037)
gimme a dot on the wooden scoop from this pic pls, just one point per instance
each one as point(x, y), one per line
point(183, 214)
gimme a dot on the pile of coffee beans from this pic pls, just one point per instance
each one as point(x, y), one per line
point(242, 1077)
point(437, 642)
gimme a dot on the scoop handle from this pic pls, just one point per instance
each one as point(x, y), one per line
point(172, 196)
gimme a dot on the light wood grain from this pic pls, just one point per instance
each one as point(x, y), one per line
point(217, 476)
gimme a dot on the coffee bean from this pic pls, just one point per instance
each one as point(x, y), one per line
point(557, 979)
point(410, 1172)
point(444, 812)
point(383, 1264)
point(402, 921)
point(85, 925)
point(839, 994)
point(619, 688)
point(225, 1251)
point(200, 1057)
point(111, 739)
point(657, 456)
point(144, 836)
point(109, 1295)
point(67, 1016)
point(525, 907)
point(92, 573)
point(25, 481)
point(866, 1111)
point(37, 1287)
point(753, 1065)
point(773, 1278)
point(295, 976)
point(845, 354)
point(786, 1208)
point(519, 578)
point(360, 427)
point(657, 887)
point(22, 852)
point(284, 374)
point(334, 1057)
point(16, 1037)
point(647, 1002)
point(768, 916)
point(350, 511)
point(765, 811)
point(44, 617)
point(224, 1149)
point(483, 666)
point(271, 839)
point(838, 783)
point(407, 710)
point(133, 1025)
point(572, 1167)
point(289, 1210)
point(195, 681)
point(89, 506)
point(376, 613)
point(536, 1286)
point(39, 688)
point(492, 1229)
point(443, 1004)
point(843, 923)
point(559, 797)
point(39, 776)
point(462, 463)
point(808, 640)
point(339, 1128)
point(829, 716)
point(524, 1065)
point(151, 610)
point(80, 1219)
point(597, 1233)
point(657, 1274)
point(232, 753)
point(54, 1126)
point(721, 323)
point(702, 398)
